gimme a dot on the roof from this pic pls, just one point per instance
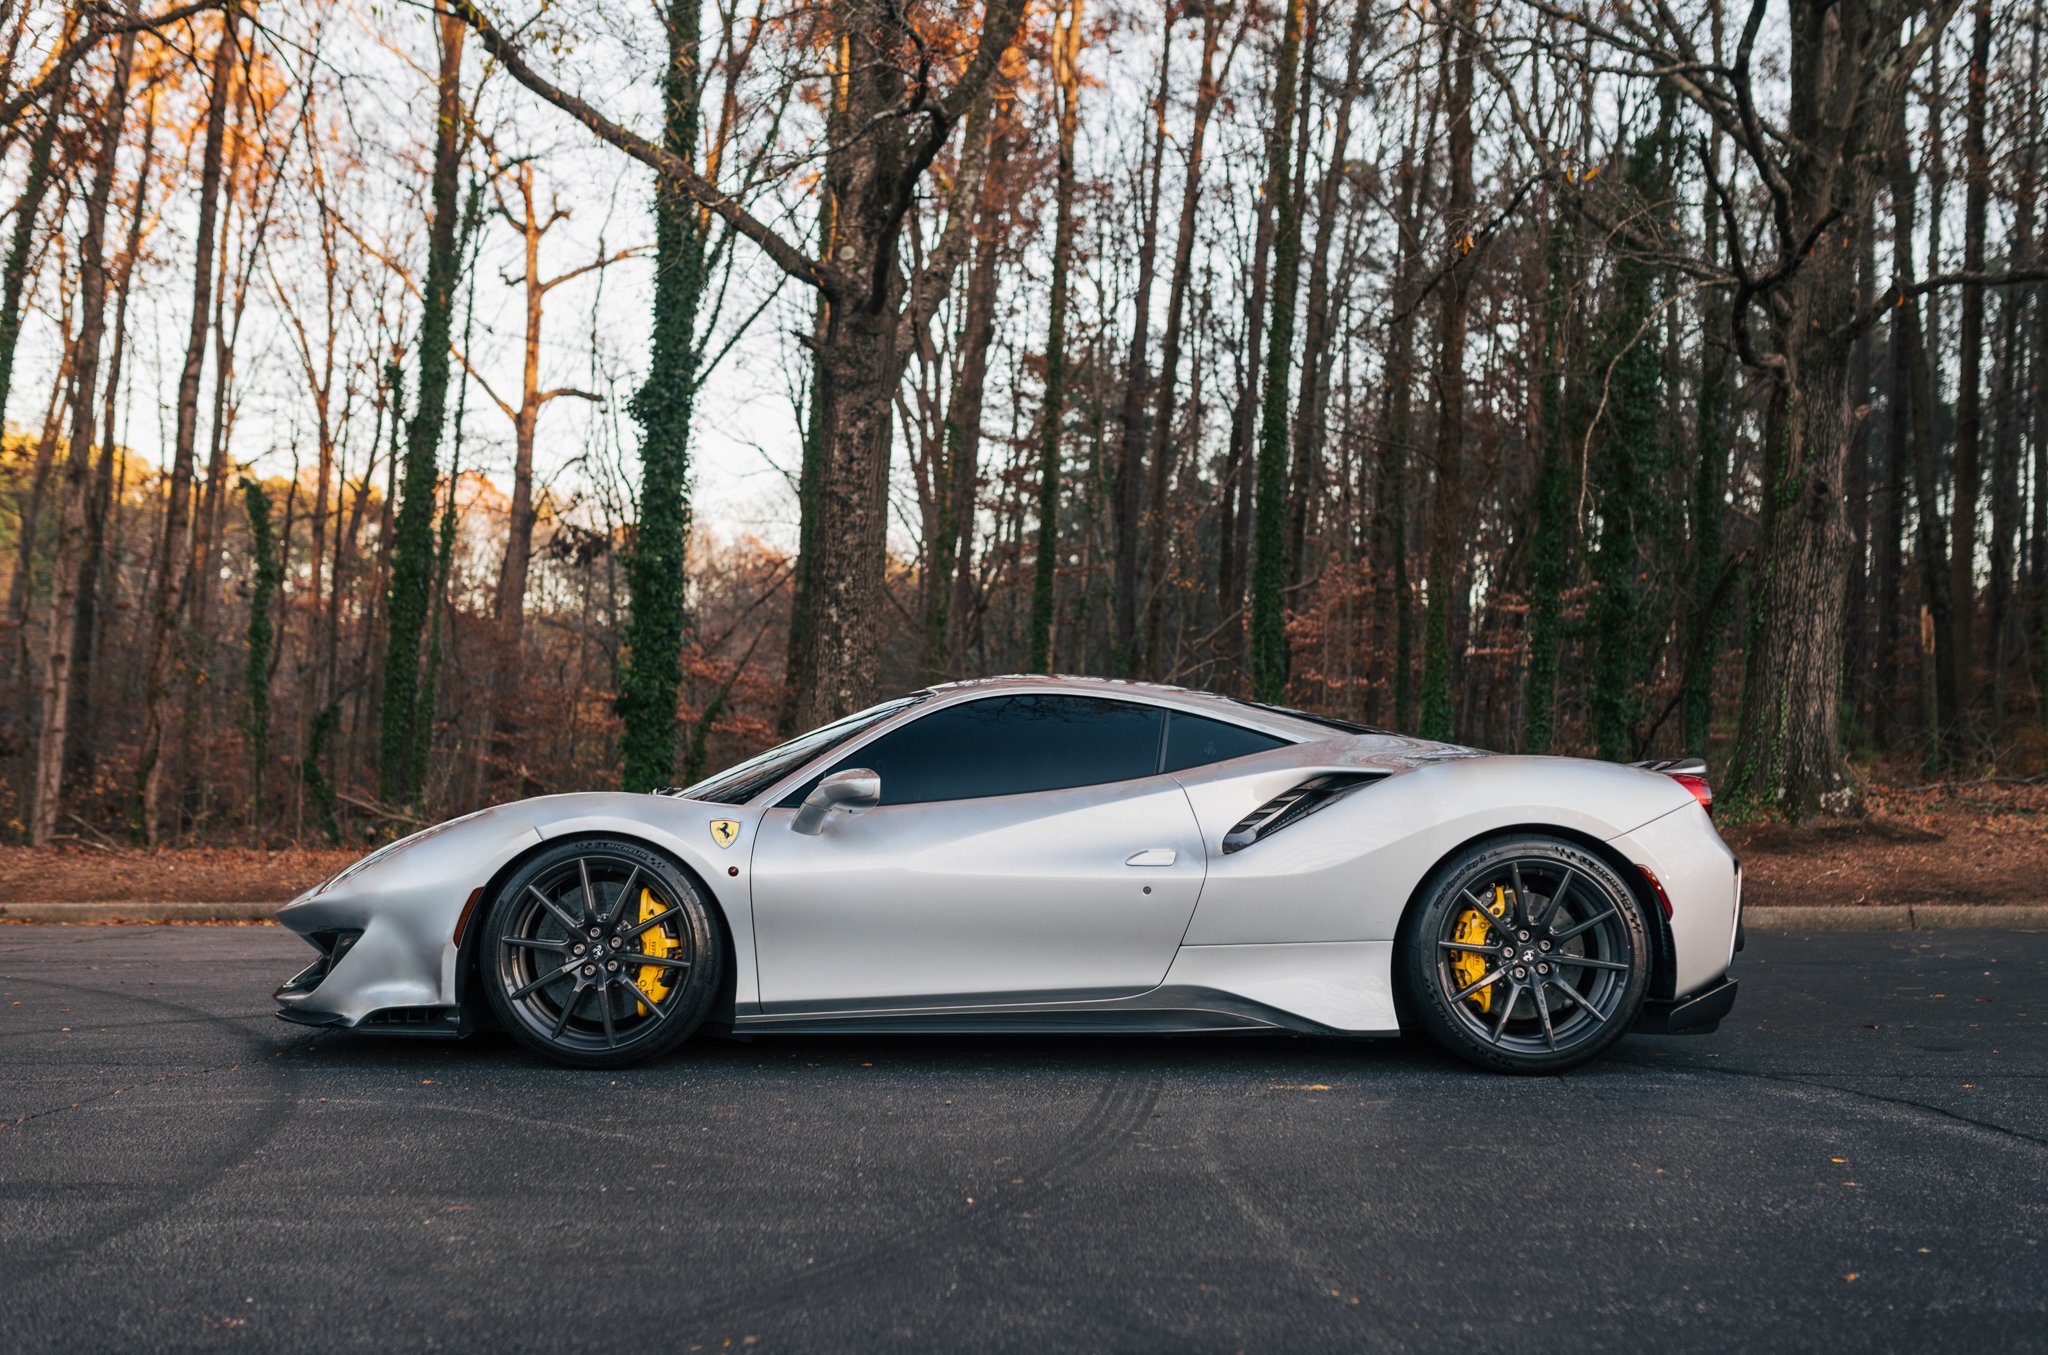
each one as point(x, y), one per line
point(1298, 725)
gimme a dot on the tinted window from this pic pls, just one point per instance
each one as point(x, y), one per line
point(1008, 745)
point(1194, 741)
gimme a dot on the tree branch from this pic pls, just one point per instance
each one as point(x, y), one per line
point(695, 186)
point(1896, 294)
point(102, 27)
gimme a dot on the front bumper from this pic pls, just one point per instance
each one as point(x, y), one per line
point(373, 974)
point(1695, 1014)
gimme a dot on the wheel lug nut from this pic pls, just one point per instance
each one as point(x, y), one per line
point(596, 932)
point(612, 965)
point(588, 970)
point(1546, 945)
point(1523, 935)
point(616, 943)
point(1543, 969)
point(579, 948)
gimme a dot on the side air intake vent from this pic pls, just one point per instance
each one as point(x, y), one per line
point(1294, 805)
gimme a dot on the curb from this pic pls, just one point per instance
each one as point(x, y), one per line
point(1901, 917)
point(139, 912)
point(1897, 917)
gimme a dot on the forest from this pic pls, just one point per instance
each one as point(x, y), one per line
point(412, 406)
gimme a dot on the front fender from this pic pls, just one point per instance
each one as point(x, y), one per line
point(407, 899)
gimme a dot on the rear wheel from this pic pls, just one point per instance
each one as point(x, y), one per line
point(1526, 955)
point(600, 953)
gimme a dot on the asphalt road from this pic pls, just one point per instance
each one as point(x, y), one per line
point(1857, 1161)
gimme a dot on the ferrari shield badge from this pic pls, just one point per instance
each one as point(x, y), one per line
point(725, 832)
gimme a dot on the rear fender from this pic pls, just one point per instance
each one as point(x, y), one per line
point(1348, 872)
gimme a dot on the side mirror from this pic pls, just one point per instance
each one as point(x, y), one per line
point(853, 791)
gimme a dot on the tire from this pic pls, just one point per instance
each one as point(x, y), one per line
point(639, 951)
point(1524, 955)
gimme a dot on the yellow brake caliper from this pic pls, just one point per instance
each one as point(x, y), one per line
point(1469, 966)
point(653, 980)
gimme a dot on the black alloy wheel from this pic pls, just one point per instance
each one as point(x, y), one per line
point(1526, 955)
point(600, 953)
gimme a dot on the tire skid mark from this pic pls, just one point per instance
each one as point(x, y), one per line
point(199, 1017)
point(97, 1027)
point(1902, 1102)
point(1271, 1229)
point(275, 1108)
point(1118, 1113)
point(506, 1116)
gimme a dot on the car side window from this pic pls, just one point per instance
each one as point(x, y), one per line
point(1196, 741)
point(1007, 745)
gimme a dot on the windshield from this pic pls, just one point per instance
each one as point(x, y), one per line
point(739, 784)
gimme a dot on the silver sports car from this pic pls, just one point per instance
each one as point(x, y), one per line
point(1056, 854)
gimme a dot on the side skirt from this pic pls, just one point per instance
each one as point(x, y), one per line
point(1164, 1010)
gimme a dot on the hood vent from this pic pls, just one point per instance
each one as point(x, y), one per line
point(1294, 805)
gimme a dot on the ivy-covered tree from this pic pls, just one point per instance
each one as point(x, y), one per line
point(265, 574)
point(1269, 564)
point(412, 548)
point(1551, 544)
point(656, 565)
point(1627, 468)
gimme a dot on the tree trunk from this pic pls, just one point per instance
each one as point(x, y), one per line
point(863, 366)
point(1898, 454)
point(2005, 472)
point(412, 547)
point(1788, 751)
point(1391, 505)
point(1706, 611)
point(1269, 563)
point(1235, 492)
point(950, 593)
point(663, 406)
point(1208, 87)
point(1551, 542)
point(1627, 469)
point(1447, 498)
point(1312, 404)
point(1969, 470)
point(100, 503)
point(1944, 711)
point(168, 598)
point(1137, 374)
point(47, 786)
point(265, 574)
point(1856, 663)
point(1066, 56)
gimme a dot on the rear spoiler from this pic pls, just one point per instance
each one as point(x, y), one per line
point(1675, 766)
point(1690, 772)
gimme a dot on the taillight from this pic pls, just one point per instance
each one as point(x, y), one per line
point(1663, 899)
point(1701, 791)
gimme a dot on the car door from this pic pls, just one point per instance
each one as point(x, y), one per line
point(1025, 848)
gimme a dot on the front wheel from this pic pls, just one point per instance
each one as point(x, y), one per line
point(600, 953)
point(1526, 955)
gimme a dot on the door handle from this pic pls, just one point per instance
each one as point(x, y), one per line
point(1151, 856)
